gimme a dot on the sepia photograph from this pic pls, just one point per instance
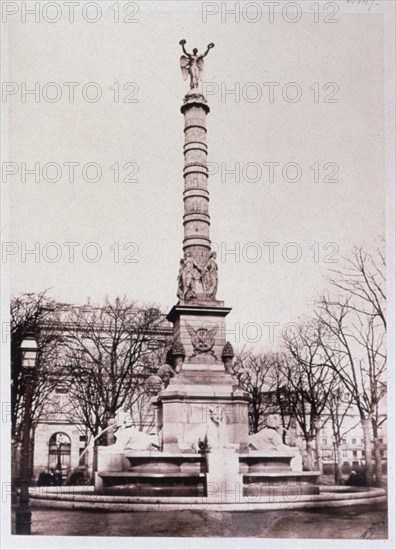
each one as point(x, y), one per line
point(197, 274)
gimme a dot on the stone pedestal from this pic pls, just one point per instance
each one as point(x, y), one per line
point(202, 406)
point(201, 329)
point(224, 482)
point(110, 459)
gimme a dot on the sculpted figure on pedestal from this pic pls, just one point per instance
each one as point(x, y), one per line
point(216, 431)
point(192, 64)
point(188, 278)
point(268, 439)
point(180, 282)
point(130, 438)
point(211, 434)
point(194, 279)
point(210, 277)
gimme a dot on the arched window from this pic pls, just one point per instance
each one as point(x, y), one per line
point(59, 453)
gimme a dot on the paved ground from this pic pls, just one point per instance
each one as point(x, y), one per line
point(342, 523)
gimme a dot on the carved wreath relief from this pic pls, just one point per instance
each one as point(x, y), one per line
point(202, 339)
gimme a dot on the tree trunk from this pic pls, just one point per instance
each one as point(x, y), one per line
point(308, 446)
point(19, 456)
point(14, 459)
point(110, 434)
point(377, 454)
point(368, 450)
point(318, 447)
point(378, 463)
point(95, 458)
point(337, 463)
point(377, 458)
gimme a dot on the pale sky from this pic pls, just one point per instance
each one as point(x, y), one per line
point(348, 133)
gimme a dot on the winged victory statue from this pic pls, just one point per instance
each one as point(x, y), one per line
point(192, 64)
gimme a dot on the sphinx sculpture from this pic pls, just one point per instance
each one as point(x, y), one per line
point(129, 438)
point(268, 439)
point(210, 435)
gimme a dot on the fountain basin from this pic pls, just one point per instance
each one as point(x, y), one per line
point(84, 498)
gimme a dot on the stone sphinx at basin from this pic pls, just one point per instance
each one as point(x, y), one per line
point(129, 438)
point(268, 439)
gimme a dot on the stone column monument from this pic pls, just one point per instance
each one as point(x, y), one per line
point(201, 446)
point(202, 406)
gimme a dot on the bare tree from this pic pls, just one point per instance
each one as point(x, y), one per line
point(358, 358)
point(310, 383)
point(357, 319)
point(37, 314)
point(255, 373)
point(142, 413)
point(139, 406)
point(363, 279)
point(106, 349)
point(282, 398)
point(339, 406)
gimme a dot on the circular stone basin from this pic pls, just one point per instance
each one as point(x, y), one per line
point(85, 498)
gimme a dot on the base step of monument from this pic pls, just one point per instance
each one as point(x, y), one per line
point(290, 490)
point(153, 484)
point(288, 484)
point(284, 476)
point(149, 475)
point(165, 463)
point(259, 461)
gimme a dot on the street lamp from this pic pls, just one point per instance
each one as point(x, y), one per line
point(59, 441)
point(29, 354)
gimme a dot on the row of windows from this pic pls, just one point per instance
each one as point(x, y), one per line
point(328, 455)
point(354, 441)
